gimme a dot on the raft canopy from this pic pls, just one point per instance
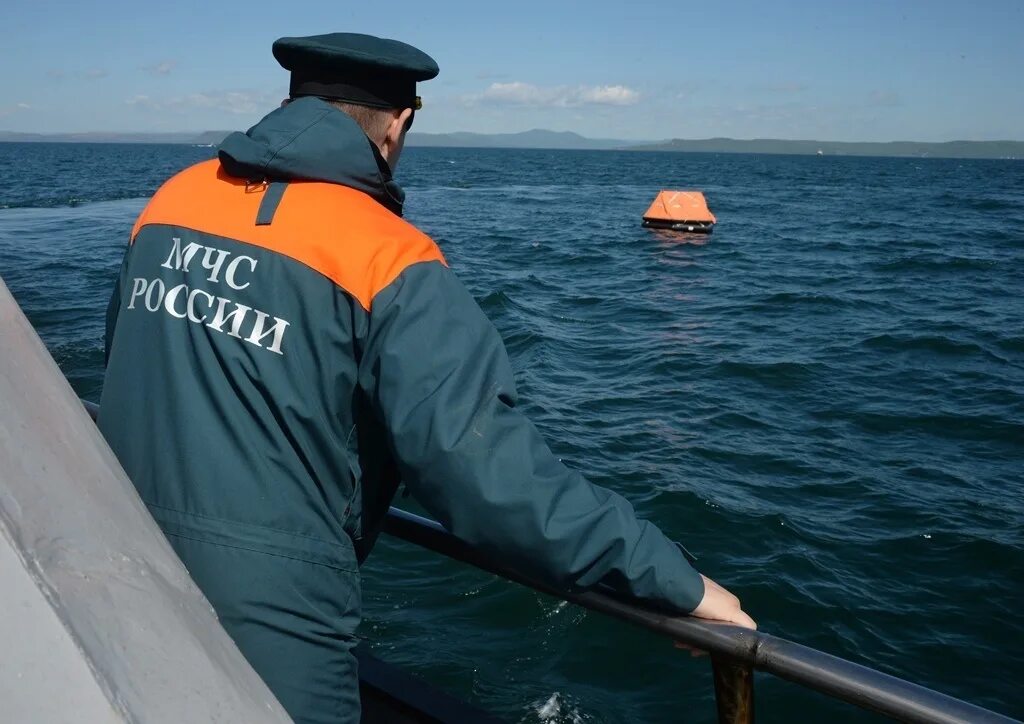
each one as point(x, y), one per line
point(680, 210)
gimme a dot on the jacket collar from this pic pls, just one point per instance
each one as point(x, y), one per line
point(310, 140)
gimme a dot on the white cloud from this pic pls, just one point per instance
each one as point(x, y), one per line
point(161, 68)
point(240, 102)
point(609, 95)
point(526, 94)
point(516, 92)
point(16, 108)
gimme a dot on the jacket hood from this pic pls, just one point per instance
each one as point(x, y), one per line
point(311, 140)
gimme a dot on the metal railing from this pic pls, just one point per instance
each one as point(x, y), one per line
point(735, 652)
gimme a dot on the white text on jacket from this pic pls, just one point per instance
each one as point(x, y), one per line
point(201, 307)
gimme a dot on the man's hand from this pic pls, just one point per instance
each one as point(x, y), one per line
point(720, 605)
point(717, 605)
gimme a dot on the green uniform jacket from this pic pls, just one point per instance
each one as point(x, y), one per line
point(282, 350)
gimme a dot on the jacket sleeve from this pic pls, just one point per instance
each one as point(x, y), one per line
point(438, 376)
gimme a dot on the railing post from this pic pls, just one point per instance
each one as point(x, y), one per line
point(734, 691)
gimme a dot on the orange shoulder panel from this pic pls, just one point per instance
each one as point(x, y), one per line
point(340, 232)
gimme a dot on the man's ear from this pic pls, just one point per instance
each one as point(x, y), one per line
point(394, 138)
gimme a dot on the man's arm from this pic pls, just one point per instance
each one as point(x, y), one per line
point(439, 377)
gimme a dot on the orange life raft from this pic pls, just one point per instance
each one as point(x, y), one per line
point(680, 211)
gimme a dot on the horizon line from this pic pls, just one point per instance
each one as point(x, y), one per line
point(514, 133)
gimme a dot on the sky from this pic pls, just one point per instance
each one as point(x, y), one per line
point(638, 70)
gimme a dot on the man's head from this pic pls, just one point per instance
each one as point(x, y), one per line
point(386, 127)
point(372, 79)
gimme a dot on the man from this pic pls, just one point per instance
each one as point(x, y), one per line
point(283, 349)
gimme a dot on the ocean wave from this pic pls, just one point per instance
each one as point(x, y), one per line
point(781, 375)
point(803, 298)
point(951, 425)
point(932, 344)
point(71, 202)
point(1012, 343)
point(558, 709)
point(931, 263)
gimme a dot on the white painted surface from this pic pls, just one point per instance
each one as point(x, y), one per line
point(39, 656)
point(112, 600)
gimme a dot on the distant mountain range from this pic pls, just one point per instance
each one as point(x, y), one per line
point(949, 149)
point(553, 140)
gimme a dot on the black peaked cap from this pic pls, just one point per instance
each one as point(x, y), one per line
point(356, 68)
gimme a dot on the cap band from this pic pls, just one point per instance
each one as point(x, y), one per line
point(400, 94)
